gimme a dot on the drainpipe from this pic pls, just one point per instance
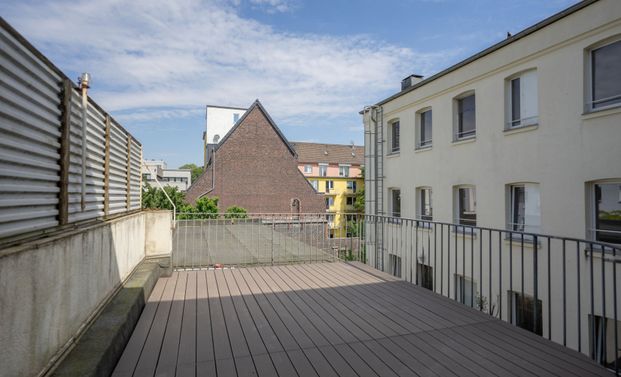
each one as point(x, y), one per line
point(84, 81)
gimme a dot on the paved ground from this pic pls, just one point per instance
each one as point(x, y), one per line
point(327, 319)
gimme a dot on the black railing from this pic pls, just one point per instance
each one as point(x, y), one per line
point(564, 289)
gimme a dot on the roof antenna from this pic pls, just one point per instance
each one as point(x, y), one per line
point(509, 35)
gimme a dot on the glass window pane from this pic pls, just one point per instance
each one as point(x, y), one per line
point(396, 203)
point(466, 115)
point(606, 75)
point(608, 212)
point(425, 128)
point(395, 136)
point(517, 208)
point(467, 206)
point(515, 102)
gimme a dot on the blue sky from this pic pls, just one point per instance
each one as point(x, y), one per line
point(314, 64)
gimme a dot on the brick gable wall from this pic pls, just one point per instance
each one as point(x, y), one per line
point(254, 169)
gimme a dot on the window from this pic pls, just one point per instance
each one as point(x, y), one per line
point(424, 210)
point(525, 213)
point(395, 202)
point(466, 117)
point(394, 265)
point(308, 169)
point(315, 184)
point(394, 137)
point(329, 186)
point(344, 171)
point(605, 76)
point(523, 309)
point(235, 117)
point(522, 106)
point(466, 291)
point(602, 340)
point(607, 212)
point(329, 202)
point(323, 170)
point(351, 186)
point(424, 129)
point(349, 201)
point(424, 276)
point(466, 206)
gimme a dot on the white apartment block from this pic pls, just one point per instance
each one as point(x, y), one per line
point(157, 169)
point(523, 136)
point(218, 121)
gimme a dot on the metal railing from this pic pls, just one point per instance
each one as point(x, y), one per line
point(209, 239)
point(564, 289)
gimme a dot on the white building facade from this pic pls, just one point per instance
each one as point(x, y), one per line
point(157, 169)
point(218, 121)
point(524, 136)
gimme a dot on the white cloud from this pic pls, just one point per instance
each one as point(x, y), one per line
point(180, 55)
point(274, 5)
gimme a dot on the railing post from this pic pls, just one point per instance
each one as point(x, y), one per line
point(128, 173)
point(536, 284)
point(107, 167)
point(64, 161)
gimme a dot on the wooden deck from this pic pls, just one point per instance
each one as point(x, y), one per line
point(327, 319)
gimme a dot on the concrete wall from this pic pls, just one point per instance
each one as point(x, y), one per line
point(158, 233)
point(50, 288)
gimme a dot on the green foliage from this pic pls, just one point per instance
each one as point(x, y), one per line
point(359, 202)
point(235, 212)
point(205, 208)
point(196, 170)
point(610, 215)
point(154, 198)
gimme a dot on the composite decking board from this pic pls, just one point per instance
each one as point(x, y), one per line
point(186, 361)
point(251, 333)
point(133, 349)
point(307, 326)
point(361, 330)
point(167, 362)
point(389, 310)
point(270, 340)
point(287, 340)
point(219, 333)
point(290, 322)
point(204, 338)
point(239, 347)
point(305, 303)
point(400, 292)
point(544, 346)
point(383, 323)
point(151, 352)
point(335, 320)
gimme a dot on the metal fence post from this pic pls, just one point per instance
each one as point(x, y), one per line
point(107, 168)
point(64, 161)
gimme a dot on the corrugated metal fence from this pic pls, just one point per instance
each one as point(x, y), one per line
point(41, 147)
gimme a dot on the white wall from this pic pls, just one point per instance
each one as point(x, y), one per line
point(49, 288)
point(219, 120)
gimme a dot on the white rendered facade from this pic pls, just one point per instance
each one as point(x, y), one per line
point(179, 178)
point(219, 120)
point(557, 149)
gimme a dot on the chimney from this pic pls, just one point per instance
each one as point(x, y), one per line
point(411, 80)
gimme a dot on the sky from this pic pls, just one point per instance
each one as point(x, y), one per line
point(314, 64)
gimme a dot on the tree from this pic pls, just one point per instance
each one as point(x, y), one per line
point(359, 202)
point(235, 212)
point(154, 198)
point(196, 170)
point(205, 208)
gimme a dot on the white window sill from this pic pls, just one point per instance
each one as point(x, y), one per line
point(465, 140)
point(596, 113)
point(393, 154)
point(424, 148)
point(520, 129)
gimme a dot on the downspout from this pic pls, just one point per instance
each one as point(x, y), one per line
point(84, 85)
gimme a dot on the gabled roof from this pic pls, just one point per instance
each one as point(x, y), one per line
point(524, 33)
point(330, 153)
point(257, 104)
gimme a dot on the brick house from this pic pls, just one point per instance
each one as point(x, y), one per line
point(256, 168)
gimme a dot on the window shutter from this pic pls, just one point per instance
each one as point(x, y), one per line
point(529, 98)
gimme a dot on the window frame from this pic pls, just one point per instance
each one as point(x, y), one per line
point(515, 316)
point(592, 219)
point(457, 206)
point(394, 149)
point(351, 186)
point(392, 190)
point(456, 116)
point(511, 224)
point(521, 122)
point(323, 170)
point(423, 144)
point(309, 170)
point(342, 172)
point(461, 282)
point(419, 203)
point(588, 76)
